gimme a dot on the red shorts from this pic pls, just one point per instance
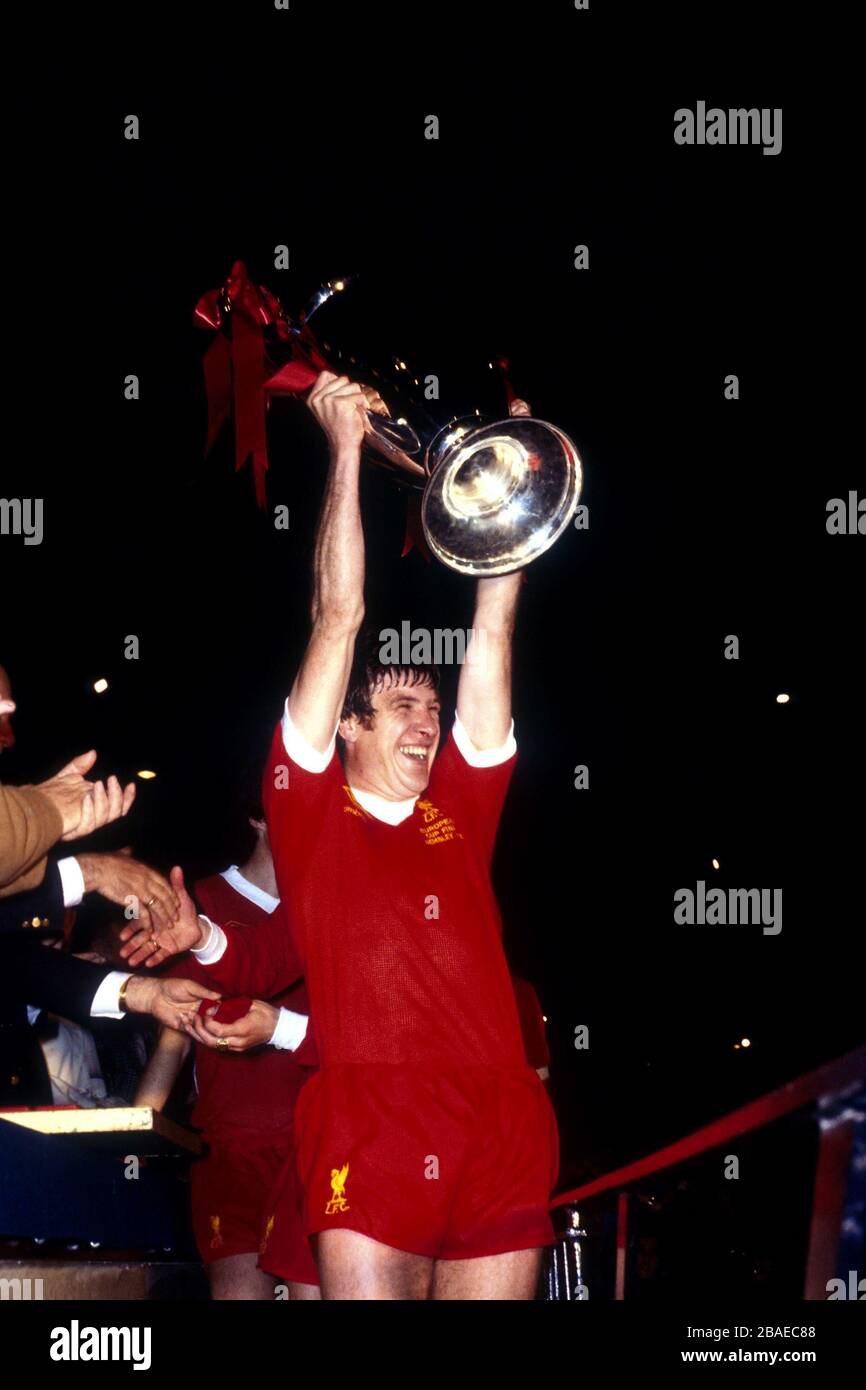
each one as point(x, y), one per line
point(451, 1164)
point(285, 1250)
point(232, 1199)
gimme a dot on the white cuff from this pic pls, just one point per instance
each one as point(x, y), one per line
point(215, 946)
point(302, 752)
point(71, 881)
point(106, 999)
point(290, 1031)
point(483, 757)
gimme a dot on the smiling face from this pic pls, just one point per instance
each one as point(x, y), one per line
point(392, 753)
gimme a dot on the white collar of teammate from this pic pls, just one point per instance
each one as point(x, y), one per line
point(250, 891)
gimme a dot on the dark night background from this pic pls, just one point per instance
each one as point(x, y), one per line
point(707, 517)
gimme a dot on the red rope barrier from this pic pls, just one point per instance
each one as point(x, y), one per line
point(831, 1079)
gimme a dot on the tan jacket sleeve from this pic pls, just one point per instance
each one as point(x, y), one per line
point(29, 826)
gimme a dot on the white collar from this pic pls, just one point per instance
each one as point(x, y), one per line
point(391, 812)
point(250, 891)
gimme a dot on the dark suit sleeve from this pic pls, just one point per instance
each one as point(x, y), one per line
point(44, 902)
point(33, 974)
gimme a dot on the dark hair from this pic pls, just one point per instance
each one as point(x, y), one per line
point(97, 922)
point(369, 673)
point(248, 797)
point(246, 805)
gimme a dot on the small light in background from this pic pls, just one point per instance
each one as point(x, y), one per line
point(146, 775)
point(544, 1016)
point(716, 864)
point(783, 699)
point(745, 1042)
point(100, 685)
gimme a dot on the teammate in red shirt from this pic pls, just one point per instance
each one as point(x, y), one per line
point(426, 1144)
point(246, 1209)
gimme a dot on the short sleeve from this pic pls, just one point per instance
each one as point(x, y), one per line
point(476, 792)
point(299, 751)
point(297, 783)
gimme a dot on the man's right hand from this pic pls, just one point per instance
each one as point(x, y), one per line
point(340, 406)
point(172, 1002)
point(131, 884)
point(144, 946)
point(85, 806)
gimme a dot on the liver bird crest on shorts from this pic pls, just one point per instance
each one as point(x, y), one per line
point(338, 1191)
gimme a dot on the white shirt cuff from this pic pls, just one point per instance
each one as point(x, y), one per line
point(71, 881)
point(302, 752)
point(290, 1031)
point(483, 757)
point(215, 946)
point(106, 999)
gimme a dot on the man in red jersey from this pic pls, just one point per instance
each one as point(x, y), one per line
point(245, 1202)
point(426, 1144)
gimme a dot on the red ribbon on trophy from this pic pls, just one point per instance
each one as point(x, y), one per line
point(258, 352)
point(251, 329)
point(510, 393)
point(414, 539)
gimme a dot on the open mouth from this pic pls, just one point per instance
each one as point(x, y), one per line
point(415, 751)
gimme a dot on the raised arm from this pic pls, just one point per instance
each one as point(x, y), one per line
point(484, 688)
point(338, 578)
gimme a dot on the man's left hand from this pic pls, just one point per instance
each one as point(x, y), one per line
point(144, 945)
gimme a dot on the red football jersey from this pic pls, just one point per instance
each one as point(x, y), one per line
point(257, 1090)
point(397, 927)
point(531, 1023)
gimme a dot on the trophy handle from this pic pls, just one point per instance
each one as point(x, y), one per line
point(391, 443)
